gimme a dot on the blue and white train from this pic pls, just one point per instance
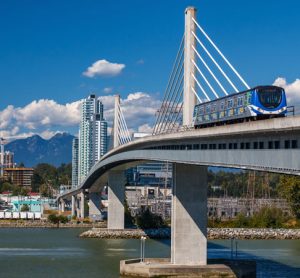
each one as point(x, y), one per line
point(261, 102)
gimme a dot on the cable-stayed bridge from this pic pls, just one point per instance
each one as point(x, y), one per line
point(197, 77)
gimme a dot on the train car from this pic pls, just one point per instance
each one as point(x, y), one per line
point(261, 102)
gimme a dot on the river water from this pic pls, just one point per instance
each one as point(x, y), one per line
point(34, 252)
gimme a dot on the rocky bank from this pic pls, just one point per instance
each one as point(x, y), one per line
point(212, 233)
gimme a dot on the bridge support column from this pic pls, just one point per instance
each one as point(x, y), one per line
point(61, 205)
point(94, 206)
point(73, 206)
point(116, 195)
point(81, 204)
point(189, 215)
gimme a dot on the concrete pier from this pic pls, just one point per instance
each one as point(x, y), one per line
point(116, 196)
point(216, 268)
point(73, 205)
point(189, 215)
point(94, 206)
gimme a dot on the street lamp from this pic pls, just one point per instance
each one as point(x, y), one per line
point(143, 240)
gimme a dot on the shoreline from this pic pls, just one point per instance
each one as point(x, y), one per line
point(46, 224)
point(212, 233)
point(99, 230)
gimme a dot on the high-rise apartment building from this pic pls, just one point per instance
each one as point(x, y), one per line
point(75, 157)
point(92, 143)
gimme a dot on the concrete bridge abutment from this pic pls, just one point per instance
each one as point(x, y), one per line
point(116, 196)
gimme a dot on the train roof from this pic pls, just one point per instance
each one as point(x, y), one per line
point(235, 94)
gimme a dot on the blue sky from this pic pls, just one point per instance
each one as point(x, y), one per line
point(46, 46)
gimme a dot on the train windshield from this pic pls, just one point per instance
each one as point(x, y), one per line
point(270, 97)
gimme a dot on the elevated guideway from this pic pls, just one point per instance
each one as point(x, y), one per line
point(267, 145)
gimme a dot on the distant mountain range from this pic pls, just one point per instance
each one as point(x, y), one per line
point(34, 150)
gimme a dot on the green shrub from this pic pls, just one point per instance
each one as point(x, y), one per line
point(268, 217)
point(148, 220)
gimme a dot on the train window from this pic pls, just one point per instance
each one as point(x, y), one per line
point(210, 146)
point(207, 109)
point(287, 144)
point(220, 146)
point(294, 144)
point(261, 145)
point(270, 97)
point(230, 146)
point(235, 102)
point(188, 147)
point(196, 147)
point(222, 106)
point(230, 103)
point(240, 101)
point(235, 146)
point(255, 145)
point(182, 147)
point(247, 145)
point(214, 108)
point(203, 146)
point(277, 144)
point(242, 146)
point(224, 146)
point(270, 145)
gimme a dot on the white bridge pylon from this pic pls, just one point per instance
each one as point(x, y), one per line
point(121, 134)
point(197, 76)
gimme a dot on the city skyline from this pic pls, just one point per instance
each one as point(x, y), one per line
point(55, 60)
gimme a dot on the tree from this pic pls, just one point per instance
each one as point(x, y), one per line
point(6, 186)
point(289, 188)
point(25, 207)
point(149, 220)
point(57, 219)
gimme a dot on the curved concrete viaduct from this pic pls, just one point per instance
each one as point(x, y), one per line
point(269, 145)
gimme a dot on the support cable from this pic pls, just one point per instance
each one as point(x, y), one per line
point(195, 93)
point(175, 103)
point(202, 89)
point(125, 126)
point(212, 74)
point(124, 132)
point(166, 104)
point(205, 79)
point(166, 116)
point(171, 103)
point(215, 62)
point(172, 121)
point(169, 82)
point(221, 54)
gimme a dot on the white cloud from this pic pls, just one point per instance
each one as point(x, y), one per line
point(292, 90)
point(103, 68)
point(47, 112)
point(145, 128)
point(107, 90)
point(45, 117)
point(38, 117)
